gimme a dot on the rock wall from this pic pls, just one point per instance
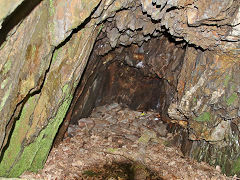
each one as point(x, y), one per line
point(208, 98)
point(7, 8)
point(44, 53)
point(38, 74)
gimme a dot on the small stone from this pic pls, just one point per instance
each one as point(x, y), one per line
point(85, 122)
point(218, 168)
point(192, 14)
point(77, 163)
point(131, 137)
point(172, 163)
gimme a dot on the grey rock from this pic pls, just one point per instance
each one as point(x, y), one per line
point(113, 36)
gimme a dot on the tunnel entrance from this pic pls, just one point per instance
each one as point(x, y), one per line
point(140, 77)
point(129, 76)
point(117, 126)
point(133, 84)
point(118, 116)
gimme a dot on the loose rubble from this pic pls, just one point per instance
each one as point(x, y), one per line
point(115, 139)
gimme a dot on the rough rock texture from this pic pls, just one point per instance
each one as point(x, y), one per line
point(30, 85)
point(134, 75)
point(45, 50)
point(127, 27)
point(118, 143)
point(7, 7)
point(207, 24)
point(128, 75)
point(208, 97)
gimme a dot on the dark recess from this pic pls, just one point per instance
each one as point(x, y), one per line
point(20, 13)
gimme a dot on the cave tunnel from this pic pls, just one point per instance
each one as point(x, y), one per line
point(136, 68)
point(140, 77)
point(113, 89)
point(129, 75)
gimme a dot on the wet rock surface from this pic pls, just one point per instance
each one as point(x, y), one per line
point(118, 143)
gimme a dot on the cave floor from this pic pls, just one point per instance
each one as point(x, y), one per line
point(116, 143)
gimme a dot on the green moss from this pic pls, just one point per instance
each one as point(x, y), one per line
point(226, 80)
point(206, 116)
point(65, 89)
point(48, 135)
point(145, 138)
point(4, 83)
point(227, 156)
point(75, 84)
point(34, 155)
point(5, 97)
point(100, 28)
point(54, 58)
point(231, 99)
point(111, 150)
point(236, 167)
point(52, 9)
point(20, 157)
point(7, 66)
point(194, 99)
point(14, 149)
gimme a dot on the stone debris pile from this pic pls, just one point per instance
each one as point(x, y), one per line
point(113, 138)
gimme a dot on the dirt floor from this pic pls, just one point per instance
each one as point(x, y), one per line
point(116, 143)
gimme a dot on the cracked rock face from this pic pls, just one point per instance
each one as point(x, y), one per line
point(207, 24)
point(45, 48)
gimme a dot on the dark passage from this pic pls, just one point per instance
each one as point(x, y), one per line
point(122, 84)
point(118, 115)
point(133, 76)
point(142, 78)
